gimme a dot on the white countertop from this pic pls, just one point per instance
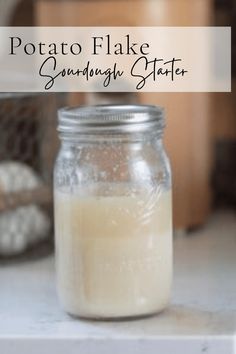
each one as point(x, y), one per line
point(201, 318)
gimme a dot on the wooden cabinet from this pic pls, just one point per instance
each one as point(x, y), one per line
point(188, 133)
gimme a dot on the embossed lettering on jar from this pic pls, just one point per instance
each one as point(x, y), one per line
point(113, 212)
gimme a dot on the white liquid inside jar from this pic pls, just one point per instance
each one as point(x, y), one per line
point(114, 254)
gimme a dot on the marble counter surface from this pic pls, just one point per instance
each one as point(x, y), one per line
point(200, 319)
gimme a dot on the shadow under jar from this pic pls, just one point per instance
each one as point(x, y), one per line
point(113, 212)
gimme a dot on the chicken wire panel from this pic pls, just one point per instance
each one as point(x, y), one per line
point(24, 123)
point(28, 144)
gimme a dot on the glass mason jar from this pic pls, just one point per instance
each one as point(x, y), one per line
point(113, 212)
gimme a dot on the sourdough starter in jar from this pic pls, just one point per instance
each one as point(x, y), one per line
point(114, 249)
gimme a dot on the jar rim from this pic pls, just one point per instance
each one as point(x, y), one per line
point(115, 119)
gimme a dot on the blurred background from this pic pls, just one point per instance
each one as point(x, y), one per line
point(200, 136)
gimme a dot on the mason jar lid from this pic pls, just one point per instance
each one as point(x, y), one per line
point(114, 119)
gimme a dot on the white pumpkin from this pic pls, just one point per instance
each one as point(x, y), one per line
point(26, 225)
